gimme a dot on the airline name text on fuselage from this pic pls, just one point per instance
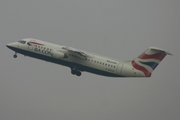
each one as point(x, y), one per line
point(43, 51)
point(111, 62)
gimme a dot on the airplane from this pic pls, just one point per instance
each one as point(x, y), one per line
point(79, 60)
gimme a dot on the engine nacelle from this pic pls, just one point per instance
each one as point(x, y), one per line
point(59, 55)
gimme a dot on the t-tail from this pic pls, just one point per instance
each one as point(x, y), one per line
point(149, 60)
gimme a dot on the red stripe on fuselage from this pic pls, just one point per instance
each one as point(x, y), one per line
point(138, 67)
point(158, 56)
point(35, 43)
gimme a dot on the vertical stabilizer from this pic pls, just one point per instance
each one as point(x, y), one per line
point(149, 60)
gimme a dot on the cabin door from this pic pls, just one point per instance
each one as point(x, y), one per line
point(119, 68)
point(30, 46)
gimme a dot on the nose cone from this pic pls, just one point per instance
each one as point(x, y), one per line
point(12, 45)
point(8, 45)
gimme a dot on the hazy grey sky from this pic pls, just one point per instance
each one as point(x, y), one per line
point(31, 89)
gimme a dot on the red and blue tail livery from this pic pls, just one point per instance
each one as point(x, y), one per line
point(149, 60)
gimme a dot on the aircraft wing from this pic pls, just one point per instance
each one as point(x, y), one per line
point(76, 51)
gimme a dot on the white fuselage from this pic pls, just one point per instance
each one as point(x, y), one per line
point(77, 60)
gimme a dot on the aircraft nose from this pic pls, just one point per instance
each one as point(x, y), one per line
point(11, 45)
point(8, 45)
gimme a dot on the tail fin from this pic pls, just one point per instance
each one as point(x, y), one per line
point(149, 60)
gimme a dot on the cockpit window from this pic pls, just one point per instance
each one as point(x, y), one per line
point(22, 41)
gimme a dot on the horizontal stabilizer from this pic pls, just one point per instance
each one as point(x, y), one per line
point(160, 50)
